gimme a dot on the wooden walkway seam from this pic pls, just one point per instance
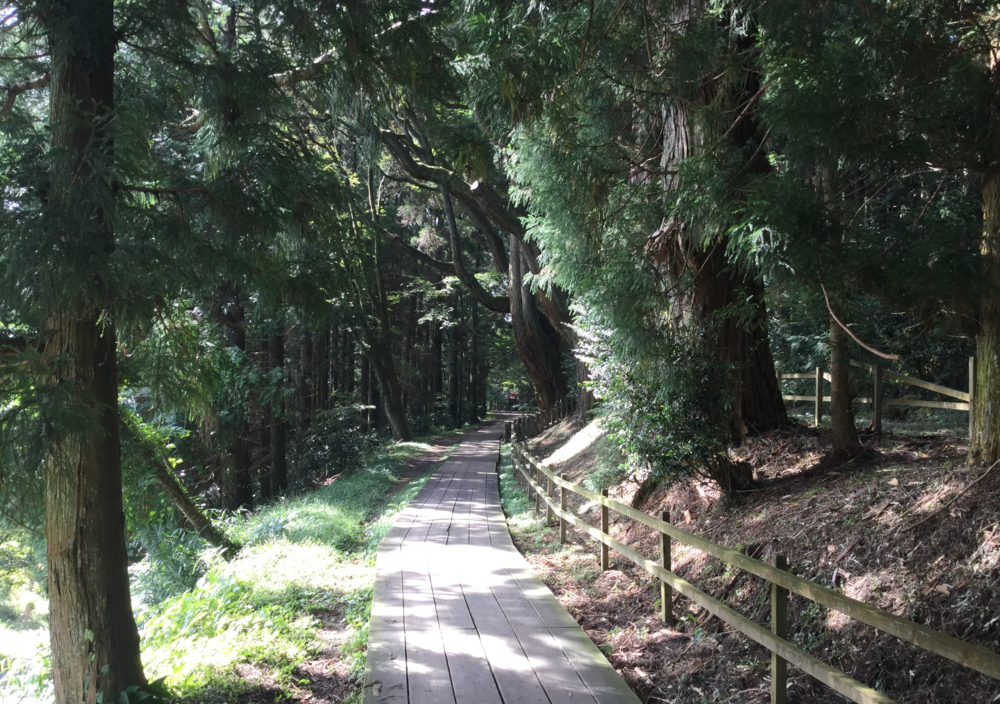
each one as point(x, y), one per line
point(457, 615)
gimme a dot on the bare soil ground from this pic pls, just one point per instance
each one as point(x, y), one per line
point(869, 531)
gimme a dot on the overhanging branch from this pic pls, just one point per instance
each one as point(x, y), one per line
point(15, 89)
point(854, 337)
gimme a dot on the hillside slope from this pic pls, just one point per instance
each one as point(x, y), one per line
point(867, 531)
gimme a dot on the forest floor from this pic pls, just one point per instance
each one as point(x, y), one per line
point(868, 530)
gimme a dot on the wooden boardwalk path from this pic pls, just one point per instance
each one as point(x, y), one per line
point(458, 617)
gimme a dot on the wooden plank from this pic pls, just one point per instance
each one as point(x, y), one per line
point(385, 668)
point(603, 683)
point(511, 670)
point(486, 612)
point(554, 671)
point(807, 375)
point(471, 676)
point(972, 656)
point(515, 606)
point(944, 390)
point(552, 613)
point(427, 678)
point(896, 376)
point(449, 602)
point(920, 403)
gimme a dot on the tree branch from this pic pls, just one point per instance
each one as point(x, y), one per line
point(15, 89)
point(444, 267)
point(854, 337)
point(498, 304)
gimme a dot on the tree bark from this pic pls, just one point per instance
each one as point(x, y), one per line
point(474, 368)
point(845, 435)
point(95, 643)
point(984, 445)
point(537, 344)
point(741, 346)
point(279, 426)
point(454, 373)
point(365, 393)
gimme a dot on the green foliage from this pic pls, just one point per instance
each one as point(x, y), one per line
point(306, 555)
point(668, 412)
point(334, 444)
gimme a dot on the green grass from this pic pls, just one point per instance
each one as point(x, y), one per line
point(519, 508)
point(303, 558)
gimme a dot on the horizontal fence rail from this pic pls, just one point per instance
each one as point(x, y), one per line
point(531, 474)
point(877, 399)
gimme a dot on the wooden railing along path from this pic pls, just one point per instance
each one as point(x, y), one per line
point(542, 483)
point(878, 400)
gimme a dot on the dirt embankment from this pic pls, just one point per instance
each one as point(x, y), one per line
point(876, 532)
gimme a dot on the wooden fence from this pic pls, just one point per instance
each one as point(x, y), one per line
point(530, 426)
point(532, 475)
point(878, 400)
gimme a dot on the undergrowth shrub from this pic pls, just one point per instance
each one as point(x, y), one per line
point(668, 408)
point(174, 559)
point(333, 444)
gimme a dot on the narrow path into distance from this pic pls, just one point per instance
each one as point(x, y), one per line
point(458, 617)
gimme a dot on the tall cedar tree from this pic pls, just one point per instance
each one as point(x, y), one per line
point(95, 644)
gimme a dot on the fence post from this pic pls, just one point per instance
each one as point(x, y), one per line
point(779, 627)
point(537, 493)
point(562, 505)
point(666, 591)
point(972, 395)
point(819, 396)
point(506, 432)
point(605, 557)
point(548, 508)
point(877, 400)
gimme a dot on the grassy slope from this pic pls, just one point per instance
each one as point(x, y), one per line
point(287, 618)
point(306, 570)
point(849, 529)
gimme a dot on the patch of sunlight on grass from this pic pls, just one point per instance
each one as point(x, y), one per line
point(577, 443)
point(301, 557)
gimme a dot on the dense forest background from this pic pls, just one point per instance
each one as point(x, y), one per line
point(245, 246)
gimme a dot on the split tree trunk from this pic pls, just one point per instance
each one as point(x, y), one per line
point(95, 644)
point(537, 344)
point(741, 346)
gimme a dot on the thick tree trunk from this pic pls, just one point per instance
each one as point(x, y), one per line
point(474, 367)
point(392, 398)
point(845, 435)
point(95, 644)
point(537, 344)
point(718, 287)
point(984, 445)
point(279, 426)
point(741, 344)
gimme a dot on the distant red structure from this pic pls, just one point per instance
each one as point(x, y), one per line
point(513, 398)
